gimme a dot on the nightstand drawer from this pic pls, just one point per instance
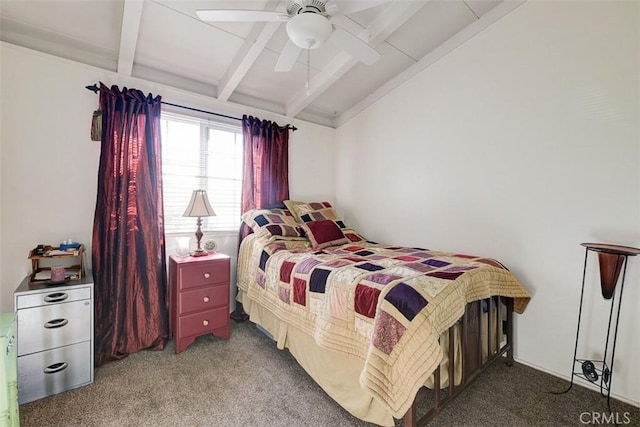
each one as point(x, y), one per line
point(203, 274)
point(204, 298)
point(200, 323)
point(53, 371)
point(45, 327)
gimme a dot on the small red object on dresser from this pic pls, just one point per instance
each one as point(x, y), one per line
point(199, 297)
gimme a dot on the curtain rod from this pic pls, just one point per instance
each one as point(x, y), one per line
point(95, 89)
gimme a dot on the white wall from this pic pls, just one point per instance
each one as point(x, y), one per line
point(519, 145)
point(49, 165)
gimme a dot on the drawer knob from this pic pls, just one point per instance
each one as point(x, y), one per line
point(205, 322)
point(205, 299)
point(207, 275)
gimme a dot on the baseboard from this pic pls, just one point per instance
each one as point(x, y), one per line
point(576, 381)
point(264, 331)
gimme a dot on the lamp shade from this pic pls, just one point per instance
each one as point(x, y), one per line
point(199, 205)
point(309, 30)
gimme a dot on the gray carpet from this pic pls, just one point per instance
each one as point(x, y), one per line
point(246, 381)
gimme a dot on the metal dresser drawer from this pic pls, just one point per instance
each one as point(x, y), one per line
point(54, 337)
point(53, 371)
point(45, 327)
point(53, 296)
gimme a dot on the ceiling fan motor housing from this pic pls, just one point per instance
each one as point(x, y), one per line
point(309, 29)
point(295, 7)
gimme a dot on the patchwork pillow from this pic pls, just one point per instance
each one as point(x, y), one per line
point(324, 233)
point(313, 211)
point(307, 211)
point(273, 224)
point(352, 235)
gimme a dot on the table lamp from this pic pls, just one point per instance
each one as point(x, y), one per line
point(199, 206)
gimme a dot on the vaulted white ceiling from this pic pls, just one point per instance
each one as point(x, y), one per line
point(164, 41)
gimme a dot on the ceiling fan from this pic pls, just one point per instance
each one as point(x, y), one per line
point(310, 23)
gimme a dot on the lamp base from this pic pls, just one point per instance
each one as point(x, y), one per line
point(199, 252)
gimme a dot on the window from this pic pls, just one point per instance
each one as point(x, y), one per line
point(201, 154)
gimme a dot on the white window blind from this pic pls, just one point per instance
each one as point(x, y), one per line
point(201, 154)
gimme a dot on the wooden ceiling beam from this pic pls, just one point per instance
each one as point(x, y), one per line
point(131, 16)
point(253, 45)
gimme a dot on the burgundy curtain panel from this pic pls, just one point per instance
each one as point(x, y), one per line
point(128, 251)
point(265, 173)
point(266, 163)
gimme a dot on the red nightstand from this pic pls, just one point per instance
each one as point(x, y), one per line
point(199, 297)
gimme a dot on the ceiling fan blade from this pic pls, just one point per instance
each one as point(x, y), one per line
point(355, 46)
point(240, 15)
point(288, 57)
point(346, 7)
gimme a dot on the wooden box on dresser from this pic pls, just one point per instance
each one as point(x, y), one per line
point(55, 337)
point(199, 297)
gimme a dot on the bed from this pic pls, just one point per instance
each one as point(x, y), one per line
point(374, 324)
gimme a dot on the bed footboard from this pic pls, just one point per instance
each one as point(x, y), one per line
point(498, 339)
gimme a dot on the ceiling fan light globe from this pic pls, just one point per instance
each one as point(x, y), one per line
point(309, 30)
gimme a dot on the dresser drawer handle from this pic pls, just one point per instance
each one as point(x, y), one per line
point(205, 299)
point(56, 323)
point(205, 322)
point(56, 297)
point(56, 367)
point(10, 345)
point(207, 275)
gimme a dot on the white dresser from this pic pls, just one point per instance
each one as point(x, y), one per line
point(54, 337)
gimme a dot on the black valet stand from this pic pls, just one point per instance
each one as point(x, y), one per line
point(611, 259)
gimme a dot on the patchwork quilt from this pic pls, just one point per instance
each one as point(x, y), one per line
point(386, 305)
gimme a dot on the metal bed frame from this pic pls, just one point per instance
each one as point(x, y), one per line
point(474, 358)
